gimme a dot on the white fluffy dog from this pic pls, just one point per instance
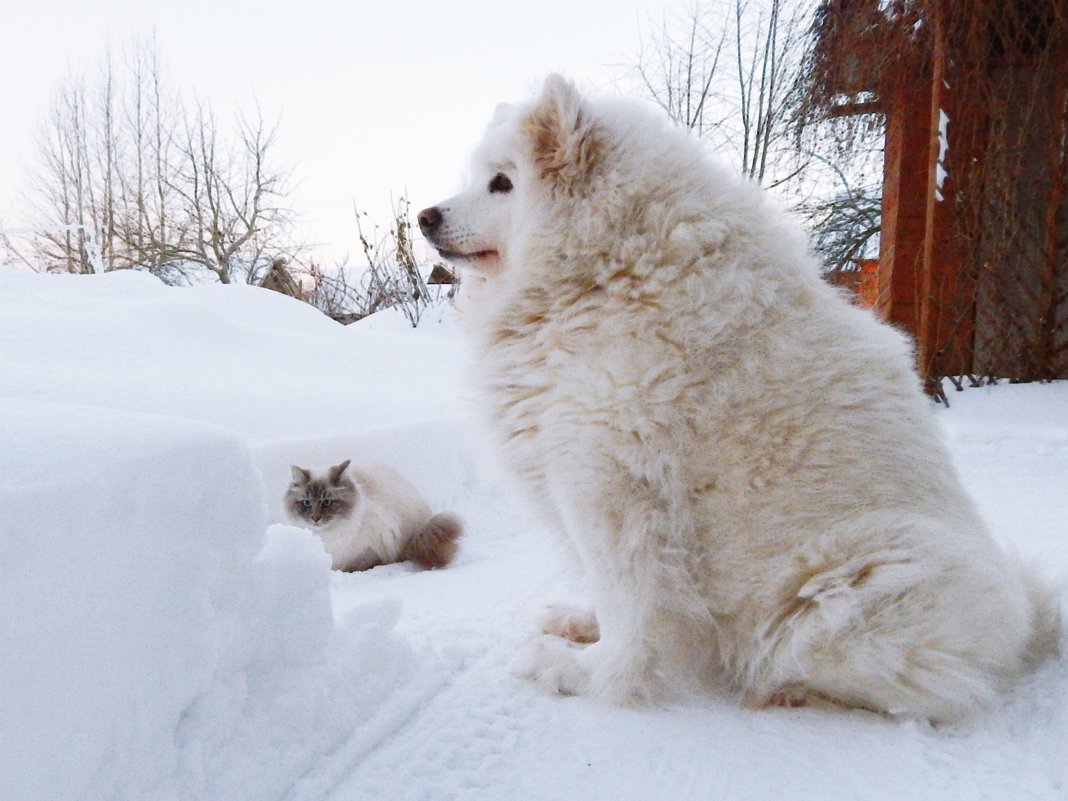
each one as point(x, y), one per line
point(742, 461)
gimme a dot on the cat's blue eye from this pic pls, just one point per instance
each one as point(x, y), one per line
point(326, 503)
point(306, 503)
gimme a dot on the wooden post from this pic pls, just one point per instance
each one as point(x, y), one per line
point(946, 330)
point(926, 261)
point(1053, 358)
point(906, 171)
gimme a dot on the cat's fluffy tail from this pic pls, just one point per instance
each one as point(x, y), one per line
point(435, 544)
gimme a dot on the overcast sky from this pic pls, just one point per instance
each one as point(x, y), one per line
point(373, 99)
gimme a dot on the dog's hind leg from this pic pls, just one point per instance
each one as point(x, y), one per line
point(907, 633)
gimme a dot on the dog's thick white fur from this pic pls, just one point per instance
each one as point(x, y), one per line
point(741, 460)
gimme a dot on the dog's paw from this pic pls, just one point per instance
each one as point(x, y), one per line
point(791, 696)
point(554, 667)
point(573, 623)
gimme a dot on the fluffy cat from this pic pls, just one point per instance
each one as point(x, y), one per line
point(370, 515)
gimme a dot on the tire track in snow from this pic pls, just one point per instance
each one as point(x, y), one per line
point(448, 730)
point(399, 711)
point(436, 743)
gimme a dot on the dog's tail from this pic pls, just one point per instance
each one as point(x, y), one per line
point(434, 545)
point(1046, 599)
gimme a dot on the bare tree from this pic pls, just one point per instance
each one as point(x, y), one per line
point(768, 41)
point(734, 71)
point(730, 71)
point(10, 253)
point(59, 184)
point(845, 226)
point(149, 202)
point(232, 201)
point(126, 179)
point(678, 66)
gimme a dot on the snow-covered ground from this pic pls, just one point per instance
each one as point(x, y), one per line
point(164, 638)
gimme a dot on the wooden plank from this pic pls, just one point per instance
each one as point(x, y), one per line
point(1051, 363)
point(905, 181)
point(946, 330)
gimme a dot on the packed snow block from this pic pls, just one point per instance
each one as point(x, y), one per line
point(155, 643)
point(127, 543)
point(311, 684)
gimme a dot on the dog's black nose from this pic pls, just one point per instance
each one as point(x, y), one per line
point(429, 220)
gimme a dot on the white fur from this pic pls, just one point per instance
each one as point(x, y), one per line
point(740, 459)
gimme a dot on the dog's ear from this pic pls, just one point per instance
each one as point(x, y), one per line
point(560, 133)
point(501, 113)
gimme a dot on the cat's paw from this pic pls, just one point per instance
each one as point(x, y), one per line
point(554, 667)
point(574, 623)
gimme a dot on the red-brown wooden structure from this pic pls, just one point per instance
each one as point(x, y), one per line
point(973, 258)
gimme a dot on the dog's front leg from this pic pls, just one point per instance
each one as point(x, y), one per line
point(626, 541)
point(613, 670)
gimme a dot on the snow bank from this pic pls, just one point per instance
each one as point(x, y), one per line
point(155, 646)
point(260, 363)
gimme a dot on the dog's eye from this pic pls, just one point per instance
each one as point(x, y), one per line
point(500, 183)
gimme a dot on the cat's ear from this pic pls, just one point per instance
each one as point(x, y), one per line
point(338, 470)
point(300, 475)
